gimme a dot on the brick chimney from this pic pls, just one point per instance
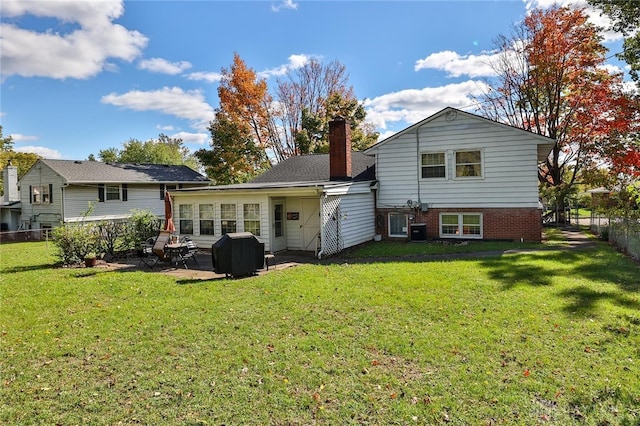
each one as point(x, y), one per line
point(339, 149)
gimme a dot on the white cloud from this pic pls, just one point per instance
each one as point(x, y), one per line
point(456, 65)
point(18, 137)
point(163, 66)
point(42, 151)
point(192, 138)
point(209, 77)
point(413, 105)
point(284, 4)
point(295, 62)
point(167, 128)
point(189, 105)
point(79, 53)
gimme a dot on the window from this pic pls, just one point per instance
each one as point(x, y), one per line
point(206, 219)
point(41, 194)
point(113, 192)
point(185, 218)
point(278, 219)
point(228, 218)
point(398, 225)
point(461, 225)
point(468, 164)
point(433, 165)
point(252, 218)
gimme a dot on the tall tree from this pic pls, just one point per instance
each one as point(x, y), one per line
point(244, 99)
point(234, 157)
point(625, 16)
point(551, 80)
point(164, 150)
point(310, 97)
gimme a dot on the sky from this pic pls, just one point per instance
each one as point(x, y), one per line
point(82, 76)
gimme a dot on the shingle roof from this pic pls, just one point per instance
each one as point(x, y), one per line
point(95, 171)
point(315, 167)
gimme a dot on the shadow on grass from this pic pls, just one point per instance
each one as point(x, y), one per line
point(18, 269)
point(584, 300)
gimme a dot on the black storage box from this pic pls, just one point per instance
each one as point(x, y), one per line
point(237, 254)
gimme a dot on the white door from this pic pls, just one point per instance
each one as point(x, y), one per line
point(310, 224)
point(278, 227)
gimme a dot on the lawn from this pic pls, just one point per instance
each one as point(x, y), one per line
point(525, 338)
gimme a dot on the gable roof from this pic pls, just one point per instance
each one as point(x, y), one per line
point(540, 139)
point(97, 172)
point(315, 168)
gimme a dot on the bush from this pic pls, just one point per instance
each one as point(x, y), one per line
point(75, 241)
point(141, 225)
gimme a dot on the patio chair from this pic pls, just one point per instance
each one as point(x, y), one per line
point(148, 258)
point(191, 251)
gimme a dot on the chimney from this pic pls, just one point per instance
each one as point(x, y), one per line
point(10, 176)
point(339, 149)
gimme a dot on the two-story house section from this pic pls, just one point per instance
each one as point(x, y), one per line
point(53, 192)
point(459, 175)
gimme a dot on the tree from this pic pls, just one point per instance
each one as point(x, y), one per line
point(625, 15)
point(244, 100)
point(21, 160)
point(311, 97)
point(234, 157)
point(164, 150)
point(551, 80)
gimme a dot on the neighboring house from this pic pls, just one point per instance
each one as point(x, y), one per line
point(321, 202)
point(452, 175)
point(458, 175)
point(53, 192)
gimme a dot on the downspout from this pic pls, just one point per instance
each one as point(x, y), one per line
point(418, 161)
point(324, 194)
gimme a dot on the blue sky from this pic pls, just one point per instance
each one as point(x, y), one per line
point(81, 76)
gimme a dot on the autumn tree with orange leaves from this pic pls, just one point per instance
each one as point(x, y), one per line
point(551, 80)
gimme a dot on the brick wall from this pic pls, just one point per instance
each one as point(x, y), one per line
point(497, 224)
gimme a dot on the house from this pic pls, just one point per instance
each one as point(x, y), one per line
point(53, 192)
point(453, 175)
point(10, 202)
point(458, 175)
point(322, 202)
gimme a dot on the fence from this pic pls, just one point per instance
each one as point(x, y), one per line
point(625, 234)
point(26, 235)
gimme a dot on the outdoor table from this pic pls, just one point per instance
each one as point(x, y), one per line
point(175, 252)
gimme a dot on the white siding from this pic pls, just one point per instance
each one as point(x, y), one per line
point(509, 166)
point(357, 214)
point(205, 241)
point(36, 214)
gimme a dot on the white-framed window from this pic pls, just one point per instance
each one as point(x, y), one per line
point(433, 165)
point(228, 218)
point(468, 164)
point(112, 192)
point(251, 214)
point(185, 218)
point(207, 219)
point(460, 225)
point(398, 225)
point(40, 194)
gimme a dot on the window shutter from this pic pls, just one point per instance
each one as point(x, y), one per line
point(30, 194)
point(179, 186)
point(124, 192)
point(101, 192)
point(50, 193)
point(162, 191)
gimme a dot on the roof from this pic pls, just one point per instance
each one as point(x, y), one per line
point(315, 168)
point(97, 172)
point(541, 140)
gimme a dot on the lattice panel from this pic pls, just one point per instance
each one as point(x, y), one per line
point(331, 233)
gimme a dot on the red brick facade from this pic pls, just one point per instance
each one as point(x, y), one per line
point(497, 224)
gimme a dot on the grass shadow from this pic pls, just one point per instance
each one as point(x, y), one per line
point(583, 300)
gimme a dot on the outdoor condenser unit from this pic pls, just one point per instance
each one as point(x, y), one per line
point(237, 254)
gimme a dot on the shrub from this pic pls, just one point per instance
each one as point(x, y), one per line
point(74, 241)
point(141, 225)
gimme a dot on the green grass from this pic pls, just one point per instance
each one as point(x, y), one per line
point(529, 338)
